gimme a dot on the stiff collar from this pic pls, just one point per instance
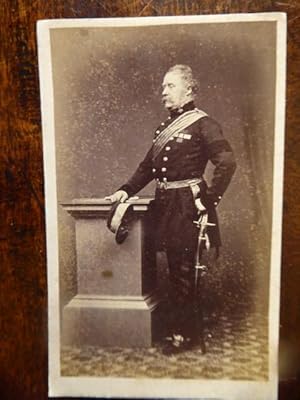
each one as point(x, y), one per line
point(186, 107)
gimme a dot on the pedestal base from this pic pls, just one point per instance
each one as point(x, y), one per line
point(128, 321)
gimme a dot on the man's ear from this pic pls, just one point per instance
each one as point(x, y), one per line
point(189, 90)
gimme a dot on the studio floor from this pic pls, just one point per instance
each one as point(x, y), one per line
point(237, 349)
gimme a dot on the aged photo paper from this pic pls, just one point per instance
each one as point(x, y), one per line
point(111, 89)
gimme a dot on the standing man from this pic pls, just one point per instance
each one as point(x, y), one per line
point(181, 148)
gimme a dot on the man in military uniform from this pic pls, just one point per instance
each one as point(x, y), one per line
point(181, 148)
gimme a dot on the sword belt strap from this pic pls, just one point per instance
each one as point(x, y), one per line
point(178, 184)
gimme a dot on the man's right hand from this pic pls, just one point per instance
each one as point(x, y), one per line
point(119, 195)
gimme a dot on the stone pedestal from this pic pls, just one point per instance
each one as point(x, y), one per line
point(116, 302)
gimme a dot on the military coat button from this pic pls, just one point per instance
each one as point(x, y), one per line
point(153, 170)
point(168, 148)
point(164, 169)
point(157, 131)
point(165, 158)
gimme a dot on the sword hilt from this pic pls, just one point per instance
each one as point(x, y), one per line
point(201, 267)
point(199, 224)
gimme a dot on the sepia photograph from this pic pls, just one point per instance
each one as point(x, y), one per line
point(163, 142)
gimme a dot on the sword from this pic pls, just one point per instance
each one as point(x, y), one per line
point(203, 241)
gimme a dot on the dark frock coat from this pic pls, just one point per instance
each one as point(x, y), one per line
point(185, 157)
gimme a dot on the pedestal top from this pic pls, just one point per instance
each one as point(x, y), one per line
point(89, 207)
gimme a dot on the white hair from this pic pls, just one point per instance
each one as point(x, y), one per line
point(187, 74)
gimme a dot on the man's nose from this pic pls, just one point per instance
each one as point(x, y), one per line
point(164, 92)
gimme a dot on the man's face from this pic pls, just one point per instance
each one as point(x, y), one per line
point(175, 90)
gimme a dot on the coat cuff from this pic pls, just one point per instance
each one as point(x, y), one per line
point(208, 198)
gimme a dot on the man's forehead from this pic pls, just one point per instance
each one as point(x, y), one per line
point(173, 77)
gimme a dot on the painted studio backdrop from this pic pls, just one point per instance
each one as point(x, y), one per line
point(107, 90)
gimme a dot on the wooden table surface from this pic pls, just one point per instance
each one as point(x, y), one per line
point(23, 291)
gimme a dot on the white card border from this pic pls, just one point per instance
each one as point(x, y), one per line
point(150, 388)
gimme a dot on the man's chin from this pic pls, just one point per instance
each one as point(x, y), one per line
point(167, 105)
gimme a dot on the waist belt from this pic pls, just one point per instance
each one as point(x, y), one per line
point(178, 184)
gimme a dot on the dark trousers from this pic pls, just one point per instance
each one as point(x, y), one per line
point(181, 310)
point(177, 234)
